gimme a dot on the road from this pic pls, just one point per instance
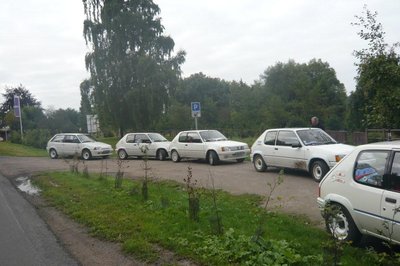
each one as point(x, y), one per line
point(296, 195)
point(24, 238)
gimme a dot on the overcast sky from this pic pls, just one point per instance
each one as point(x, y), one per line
point(42, 45)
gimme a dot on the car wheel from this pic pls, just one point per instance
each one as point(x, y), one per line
point(122, 155)
point(241, 160)
point(259, 163)
point(86, 155)
point(212, 158)
point(319, 170)
point(53, 154)
point(161, 155)
point(175, 156)
point(340, 224)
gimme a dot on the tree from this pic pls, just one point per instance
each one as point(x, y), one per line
point(378, 77)
point(26, 99)
point(133, 70)
point(292, 93)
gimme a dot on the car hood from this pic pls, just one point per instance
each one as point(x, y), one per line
point(227, 143)
point(97, 144)
point(337, 149)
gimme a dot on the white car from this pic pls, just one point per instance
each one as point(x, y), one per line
point(142, 144)
point(361, 194)
point(71, 144)
point(207, 144)
point(309, 149)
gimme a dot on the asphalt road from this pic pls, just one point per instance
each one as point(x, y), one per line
point(24, 238)
point(296, 195)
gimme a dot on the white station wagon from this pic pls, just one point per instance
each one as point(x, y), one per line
point(207, 144)
point(309, 149)
point(361, 194)
point(71, 144)
point(132, 145)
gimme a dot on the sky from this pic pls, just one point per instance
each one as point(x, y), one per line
point(42, 45)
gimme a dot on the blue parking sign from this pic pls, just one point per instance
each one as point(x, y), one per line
point(196, 109)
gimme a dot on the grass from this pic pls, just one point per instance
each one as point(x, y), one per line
point(11, 149)
point(143, 226)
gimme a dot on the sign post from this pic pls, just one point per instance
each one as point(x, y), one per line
point(196, 111)
point(17, 112)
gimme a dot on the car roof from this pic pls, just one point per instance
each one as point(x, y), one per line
point(293, 128)
point(201, 130)
point(381, 145)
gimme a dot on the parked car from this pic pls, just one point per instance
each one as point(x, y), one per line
point(207, 144)
point(71, 144)
point(361, 194)
point(142, 144)
point(309, 149)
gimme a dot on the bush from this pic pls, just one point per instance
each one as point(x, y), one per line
point(15, 137)
point(36, 138)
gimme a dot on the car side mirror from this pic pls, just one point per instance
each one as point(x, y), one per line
point(296, 145)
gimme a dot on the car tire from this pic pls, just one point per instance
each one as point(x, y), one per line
point(259, 163)
point(175, 156)
point(340, 224)
point(161, 155)
point(241, 160)
point(53, 154)
point(122, 155)
point(212, 158)
point(86, 155)
point(319, 170)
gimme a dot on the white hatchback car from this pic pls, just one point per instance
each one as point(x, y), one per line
point(71, 144)
point(207, 144)
point(361, 194)
point(309, 149)
point(132, 144)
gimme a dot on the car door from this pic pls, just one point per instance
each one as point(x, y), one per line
point(288, 151)
point(130, 145)
point(367, 193)
point(182, 144)
point(268, 147)
point(390, 208)
point(194, 146)
point(71, 145)
point(140, 141)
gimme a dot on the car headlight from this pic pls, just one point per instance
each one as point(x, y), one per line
point(339, 157)
point(226, 149)
point(97, 148)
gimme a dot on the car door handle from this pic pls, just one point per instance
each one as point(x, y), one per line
point(390, 200)
point(276, 149)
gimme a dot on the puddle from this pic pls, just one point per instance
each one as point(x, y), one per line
point(26, 186)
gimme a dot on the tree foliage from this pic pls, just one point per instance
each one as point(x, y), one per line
point(375, 101)
point(132, 66)
point(26, 98)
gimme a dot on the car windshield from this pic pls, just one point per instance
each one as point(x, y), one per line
point(315, 136)
point(155, 137)
point(86, 138)
point(212, 135)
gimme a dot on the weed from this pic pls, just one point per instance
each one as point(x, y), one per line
point(193, 195)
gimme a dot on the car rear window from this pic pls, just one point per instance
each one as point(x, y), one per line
point(370, 167)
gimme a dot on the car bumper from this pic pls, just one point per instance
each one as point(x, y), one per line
point(321, 205)
point(100, 153)
point(232, 155)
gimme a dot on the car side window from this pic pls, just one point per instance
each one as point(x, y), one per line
point(193, 137)
point(141, 138)
point(68, 139)
point(394, 181)
point(370, 167)
point(58, 138)
point(286, 138)
point(270, 138)
point(183, 137)
point(130, 138)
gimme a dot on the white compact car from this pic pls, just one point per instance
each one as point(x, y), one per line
point(71, 144)
point(207, 144)
point(309, 149)
point(142, 144)
point(361, 194)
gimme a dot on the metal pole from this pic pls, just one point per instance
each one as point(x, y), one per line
point(20, 123)
point(195, 122)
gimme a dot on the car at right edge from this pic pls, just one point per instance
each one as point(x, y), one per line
point(309, 149)
point(361, 194)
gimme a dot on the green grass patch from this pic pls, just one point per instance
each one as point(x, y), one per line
point(12, 149)
point(142, 227)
